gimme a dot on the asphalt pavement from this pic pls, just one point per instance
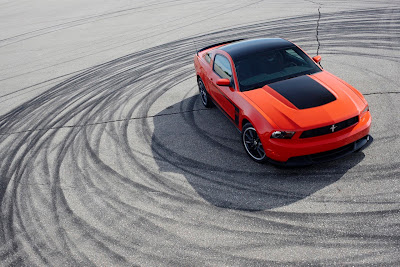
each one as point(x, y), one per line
point(109, 158)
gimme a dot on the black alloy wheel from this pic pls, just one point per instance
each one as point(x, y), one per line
point(252, 143)
point(205, 97)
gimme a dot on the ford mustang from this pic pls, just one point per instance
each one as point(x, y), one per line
point(289, 110)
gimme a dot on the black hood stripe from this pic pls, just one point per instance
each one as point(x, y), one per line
point(303, 92)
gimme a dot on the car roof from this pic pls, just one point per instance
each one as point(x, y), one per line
point(241, 49)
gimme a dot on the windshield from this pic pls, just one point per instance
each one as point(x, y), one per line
point(256, 70)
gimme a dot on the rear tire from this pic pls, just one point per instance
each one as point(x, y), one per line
point(204, 96)
point(252, 143)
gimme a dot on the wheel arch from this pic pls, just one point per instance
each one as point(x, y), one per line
point(243, 122)
point(261, 124)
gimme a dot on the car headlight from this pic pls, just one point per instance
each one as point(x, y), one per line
point(282, 134)
point(364, 111)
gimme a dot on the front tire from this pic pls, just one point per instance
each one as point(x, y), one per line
point(252, 143)
point(205, 97)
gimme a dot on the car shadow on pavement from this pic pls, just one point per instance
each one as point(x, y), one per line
point(204, 146)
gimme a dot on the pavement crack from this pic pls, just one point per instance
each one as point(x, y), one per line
point(319, 19)
point(104, 122)
point(317, 29)
point(382, 93)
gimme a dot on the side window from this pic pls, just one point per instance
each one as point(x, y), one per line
point(222, 67)
point(293, 53)
point(207, 57)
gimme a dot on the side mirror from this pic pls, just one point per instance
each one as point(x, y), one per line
point(224, 82)
point(317, 59)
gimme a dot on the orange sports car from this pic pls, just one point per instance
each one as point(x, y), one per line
point(288, 109)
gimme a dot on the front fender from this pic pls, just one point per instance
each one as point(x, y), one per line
point(258, 120)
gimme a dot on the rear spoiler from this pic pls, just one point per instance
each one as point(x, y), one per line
point(226, 42)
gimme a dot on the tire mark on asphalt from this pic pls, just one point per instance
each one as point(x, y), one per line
point(127, 192)
point(82, 21)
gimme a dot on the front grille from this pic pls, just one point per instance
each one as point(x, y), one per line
point(328, 129)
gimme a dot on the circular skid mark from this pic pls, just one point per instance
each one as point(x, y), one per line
point(220, 171)
point(91, 176)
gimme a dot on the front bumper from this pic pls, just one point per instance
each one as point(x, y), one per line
point(306, 151)
point(327, 155)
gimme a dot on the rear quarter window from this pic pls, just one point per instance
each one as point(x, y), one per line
point(222, 67)
point(207, 57)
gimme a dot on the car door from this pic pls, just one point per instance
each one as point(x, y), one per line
point(223, 95)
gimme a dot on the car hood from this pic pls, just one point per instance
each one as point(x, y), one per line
point(307, 102)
